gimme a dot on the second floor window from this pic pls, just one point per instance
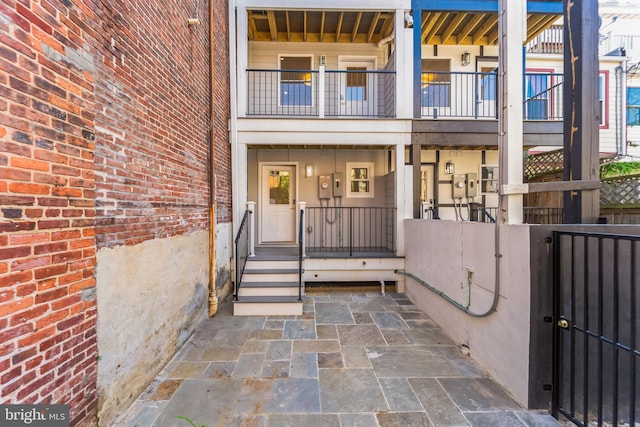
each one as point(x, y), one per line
point(537, 96)
point(603, 98)
point(295, 80)
point(436, 83)
point(633, 106)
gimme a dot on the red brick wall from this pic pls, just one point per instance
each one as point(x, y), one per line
point(104, 118)
point(47, 213)
point(152, 112)
point(222, 149)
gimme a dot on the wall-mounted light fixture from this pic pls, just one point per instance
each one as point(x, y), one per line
point(466, 58)
point(408, 20)
point(450, 168)
point(308, 171)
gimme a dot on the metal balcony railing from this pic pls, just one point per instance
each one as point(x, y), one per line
point(473, 95)
point(351, 229)
point(320, 93)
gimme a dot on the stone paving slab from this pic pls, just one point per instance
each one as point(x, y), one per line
point(354, 359)
point(203, 401)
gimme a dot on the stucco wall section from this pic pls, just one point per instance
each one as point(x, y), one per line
point(439, 252)
point(151, 296)
point(224, 253)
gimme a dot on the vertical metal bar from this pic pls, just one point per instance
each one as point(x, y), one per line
point(585, 370)
point(350, 231)
point(557, 353)
point(600, 328)
point(572, 373)
point(632, 321)
point(616, 337)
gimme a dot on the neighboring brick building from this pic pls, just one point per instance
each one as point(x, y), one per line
point(105, 172)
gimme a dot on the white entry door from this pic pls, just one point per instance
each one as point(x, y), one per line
point(357, 96)
point(487, 93)
point(278, 204)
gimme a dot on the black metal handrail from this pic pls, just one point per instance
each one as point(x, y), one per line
point(300, 252)
point(484, 214)
point(474, 95)
point(351, 229)
point(242, 251)
point(346, 93)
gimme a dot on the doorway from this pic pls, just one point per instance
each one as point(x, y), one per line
point(357, 94)
point(278, 189)
point(487, 93)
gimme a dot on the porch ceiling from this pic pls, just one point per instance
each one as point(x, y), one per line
point(481, 29)
point(331, 26)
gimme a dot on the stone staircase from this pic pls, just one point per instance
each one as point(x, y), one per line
point(269, 285)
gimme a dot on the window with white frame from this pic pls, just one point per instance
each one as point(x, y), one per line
point(360, 177)
point(603, 98)
point(295, 80)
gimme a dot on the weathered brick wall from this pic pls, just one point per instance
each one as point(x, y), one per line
point(152, 113)
point(104, 128)
point(47, 214)
point(222, 149)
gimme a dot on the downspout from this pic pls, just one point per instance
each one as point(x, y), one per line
point(213, 297)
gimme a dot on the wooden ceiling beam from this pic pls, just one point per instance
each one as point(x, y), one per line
point(542, 25)
point(322, 26)
point(473, 22)
point(387, 27)
point(372, 27)
point(339, 26)
point(273, 26)
point(356, 26)
point(453, 26)
point(431, 21)
point(286, 15)
point(482, 31)
point(435, 29)
point(304, 26)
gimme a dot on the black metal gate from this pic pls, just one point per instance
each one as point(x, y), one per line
point(596, 355)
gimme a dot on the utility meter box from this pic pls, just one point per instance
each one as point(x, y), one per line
point(324, 187)
point(338, 184)
point(458, 186)
point(472, 185)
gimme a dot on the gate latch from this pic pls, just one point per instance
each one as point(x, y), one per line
point(563, 323)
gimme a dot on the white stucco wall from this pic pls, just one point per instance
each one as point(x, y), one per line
point(439, 252)
point(223, 255)
point(150, 298)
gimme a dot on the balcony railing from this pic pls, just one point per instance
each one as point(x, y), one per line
point(550, 41)
point(473, 95)
point(349, 230)
point(320, 93)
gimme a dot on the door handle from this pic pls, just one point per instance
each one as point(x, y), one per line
point(563, 323)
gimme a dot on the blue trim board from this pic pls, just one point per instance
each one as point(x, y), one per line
point(551, 7)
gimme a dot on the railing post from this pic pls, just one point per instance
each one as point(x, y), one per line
point(251, 207)
point(302, 206)
point(321, 91)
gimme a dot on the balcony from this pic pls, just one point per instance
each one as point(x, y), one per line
point(321, 93)
point(474, 95)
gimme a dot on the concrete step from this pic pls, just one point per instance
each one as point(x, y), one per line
point(267, 306)
point(280, 288)
point(260, 263)
point(270, 275)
